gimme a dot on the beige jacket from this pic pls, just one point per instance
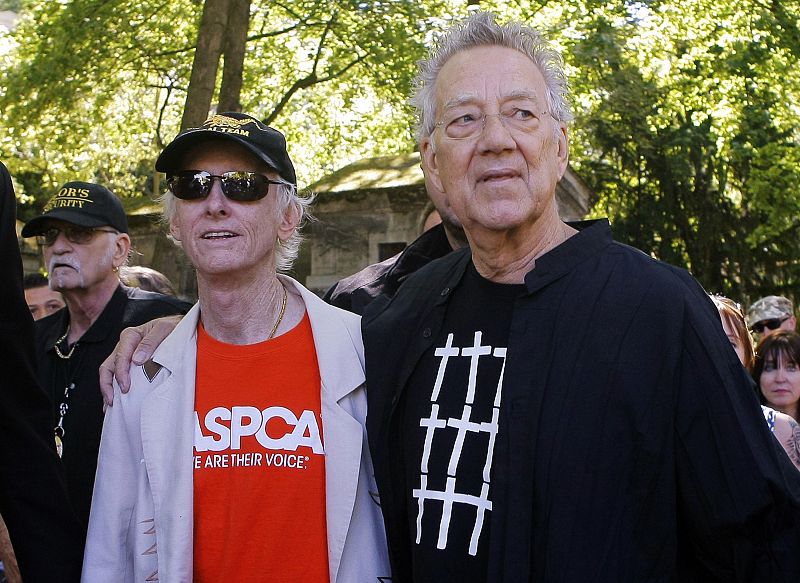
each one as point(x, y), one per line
point(140, 528)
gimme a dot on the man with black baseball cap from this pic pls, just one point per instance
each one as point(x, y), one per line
point(83, 233)
point(83, 204)
point(256, 400)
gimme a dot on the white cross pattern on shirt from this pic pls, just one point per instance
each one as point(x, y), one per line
point(462, 425)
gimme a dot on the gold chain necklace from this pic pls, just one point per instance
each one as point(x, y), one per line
point(280, 316)
point(60, 354)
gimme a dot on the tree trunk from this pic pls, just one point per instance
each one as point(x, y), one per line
point(202, 82)
point(233, 50)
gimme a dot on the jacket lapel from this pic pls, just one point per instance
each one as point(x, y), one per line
point(167, 418)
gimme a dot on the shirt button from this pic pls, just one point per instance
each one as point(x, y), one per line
point(445, 291)
point(426, 333)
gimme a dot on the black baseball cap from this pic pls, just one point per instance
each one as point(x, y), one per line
point(81, 203)
point(263, 141)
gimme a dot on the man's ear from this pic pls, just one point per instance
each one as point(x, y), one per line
point(427, 152)
point(122, 249)
point(563, 149)
point(289, 220)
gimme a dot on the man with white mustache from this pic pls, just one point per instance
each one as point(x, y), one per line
point(83, 233)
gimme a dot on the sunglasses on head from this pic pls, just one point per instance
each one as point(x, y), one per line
point(74, 234)
point(238, 186)
point(772, 324)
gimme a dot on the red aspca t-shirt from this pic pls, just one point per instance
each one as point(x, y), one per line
point(259, 464)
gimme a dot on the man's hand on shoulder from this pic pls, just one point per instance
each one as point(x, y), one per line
point(135, 347)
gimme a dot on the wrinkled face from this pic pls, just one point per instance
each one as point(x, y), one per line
point(73, 266)
point(221, 236)
point(780, 383)
point(42, 301)
point(504, 176)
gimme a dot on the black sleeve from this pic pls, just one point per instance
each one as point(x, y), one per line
point(340, 298)
point(739, 497)
point(33, 495)
point(330, 293)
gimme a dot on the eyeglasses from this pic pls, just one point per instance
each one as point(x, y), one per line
point(73, 233)
point(237, 186)
point(466, 123)
point(772, 324)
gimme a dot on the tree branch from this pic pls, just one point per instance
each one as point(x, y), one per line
point(161, 110)
point(305, 82)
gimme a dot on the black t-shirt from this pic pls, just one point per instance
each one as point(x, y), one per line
point(450, 423)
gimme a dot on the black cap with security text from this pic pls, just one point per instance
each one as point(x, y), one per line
point(263, 141)
point(80, 203)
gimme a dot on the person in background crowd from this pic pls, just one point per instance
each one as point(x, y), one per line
point(262, 381)
point(83, 233)
point(735, 327)
point(777, 371)
point(33, 493)
point(432, 219)
point(41, 300)
point(548, 404)
point(770, 314)
point(147, 279)
point(784, 427)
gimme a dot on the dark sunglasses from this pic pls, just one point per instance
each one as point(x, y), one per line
point(73, 233)
point(238, 186)
point(772, 324)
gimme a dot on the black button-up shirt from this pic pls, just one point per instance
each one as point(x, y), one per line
point(631, 447)
point(83, 421)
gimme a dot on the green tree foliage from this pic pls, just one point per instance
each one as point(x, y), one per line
point(94, 88)
point(82, 92)
point(687, 133)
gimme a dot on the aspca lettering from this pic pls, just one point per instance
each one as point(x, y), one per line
point(224, 429)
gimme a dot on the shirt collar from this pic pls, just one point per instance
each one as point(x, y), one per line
point(591, 238)
point(101, 327)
